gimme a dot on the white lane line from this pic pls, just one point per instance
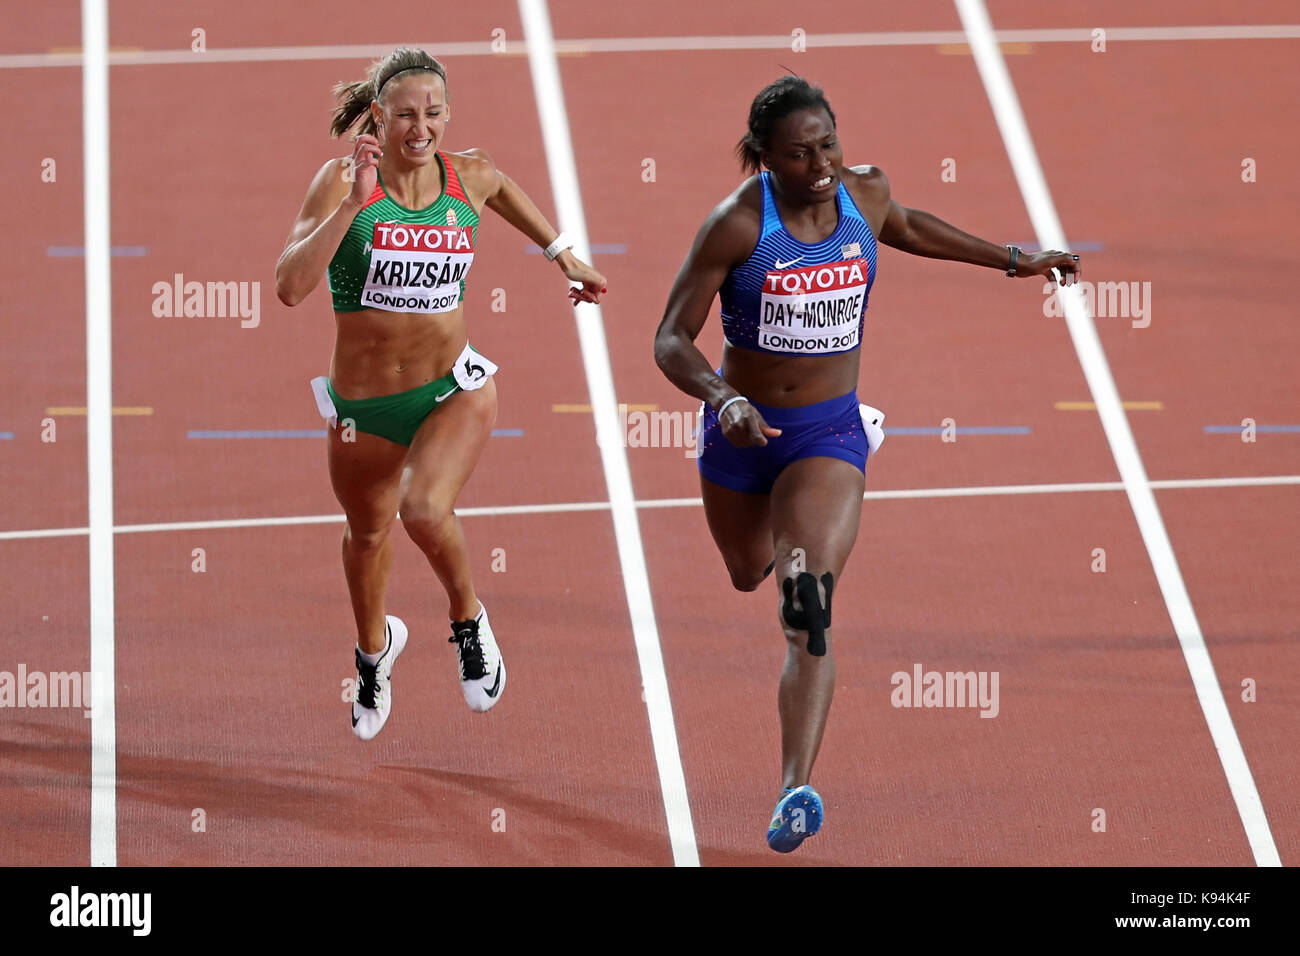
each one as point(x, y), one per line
point(99, 432)
point(1068, 487)
point(1275, 31)
point(1096, 370)
point(268, 54)
point(570, 506)
point(563, 170)
point(1257, 481)
point(1082, 35)
point(42, 533)
point(250, 54)
point(334, 519)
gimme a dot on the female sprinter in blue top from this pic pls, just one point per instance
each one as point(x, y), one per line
point(411, 403)
point(783, 442)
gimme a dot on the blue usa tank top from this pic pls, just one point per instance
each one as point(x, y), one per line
point(793, 298)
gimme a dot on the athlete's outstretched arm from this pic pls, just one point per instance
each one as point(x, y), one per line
point(503, 196)
point(721, 243)
point(923, 234)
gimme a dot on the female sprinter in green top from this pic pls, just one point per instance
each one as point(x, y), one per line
point(410, 403)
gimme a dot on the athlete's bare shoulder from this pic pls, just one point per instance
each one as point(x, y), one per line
point(867, 181)
point(477, 172)
point(745, 204)
point(865, 173)
point(731, 230)
point(869, 188)
point(333, 181)
point(471, 162)
point(328, 187)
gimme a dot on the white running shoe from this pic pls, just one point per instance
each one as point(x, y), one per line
point(482, 668)
point(374, 700)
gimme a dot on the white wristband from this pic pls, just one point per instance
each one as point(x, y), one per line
point(561, 243)
point(730, 401)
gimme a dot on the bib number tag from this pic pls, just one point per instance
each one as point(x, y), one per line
point(472, 370)
point(873, 420)
point(324, 404)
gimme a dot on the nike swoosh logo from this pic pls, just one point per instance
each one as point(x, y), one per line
point(440, 398)
point(497, 686)
point(786, 265)
point(355, 719)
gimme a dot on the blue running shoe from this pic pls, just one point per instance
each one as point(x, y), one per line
point(797, 817)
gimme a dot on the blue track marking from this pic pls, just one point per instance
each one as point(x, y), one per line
point(1259, 429)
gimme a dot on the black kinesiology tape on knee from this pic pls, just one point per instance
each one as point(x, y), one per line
point(811, 616)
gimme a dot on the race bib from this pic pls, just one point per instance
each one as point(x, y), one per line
point(814, 310)
point(472, 370)
point(417, 268)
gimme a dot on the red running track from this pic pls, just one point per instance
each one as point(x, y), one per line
point(229, 681)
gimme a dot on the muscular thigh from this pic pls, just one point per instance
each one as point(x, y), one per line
point(365, 473)
point(816, 506)
point(448, 445)
point(740, 529)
